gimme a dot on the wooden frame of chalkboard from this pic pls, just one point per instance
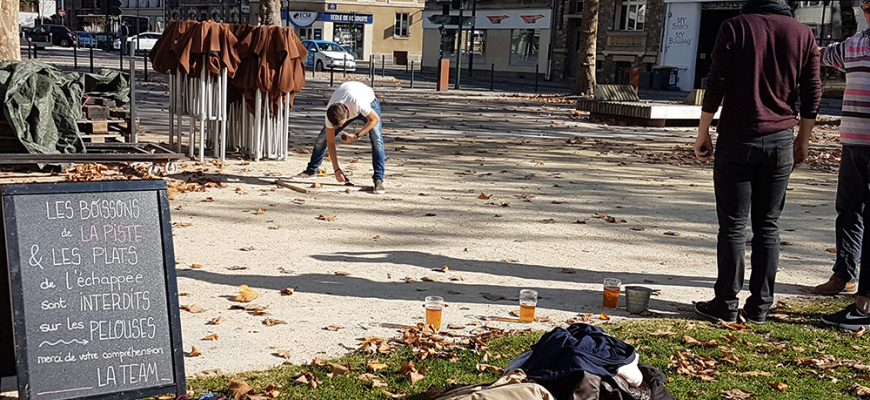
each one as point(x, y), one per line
point(150, 371)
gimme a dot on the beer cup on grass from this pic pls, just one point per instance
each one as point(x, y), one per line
point(528, 303)
point(434, 305)
point(611, 292)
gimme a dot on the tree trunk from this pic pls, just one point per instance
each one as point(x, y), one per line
point(9, 35)
point(270, 12)
point(585, 83)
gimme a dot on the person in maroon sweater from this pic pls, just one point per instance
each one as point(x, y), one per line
point(764, 61)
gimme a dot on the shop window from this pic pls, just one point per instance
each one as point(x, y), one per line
point(448, 42)
point(306, 33)
point(631, 15)
point(477, 43)
point(575, 7)
point(524, 46)
point(400, 29)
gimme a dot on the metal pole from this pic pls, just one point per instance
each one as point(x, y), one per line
point(372, 68)
point(412, 74)
point(331, 76)
point(383, 65)
point(35, 52)
point(491, 76)
point(145, 66)
point(132, 124)
point(537, 67)
point(473, 27)
point(92, 59)
point(121, 53)
point(344, 69)
point(458, 50)
point(29, 49)
point(76, 55)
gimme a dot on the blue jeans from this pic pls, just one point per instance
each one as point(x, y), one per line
point(853, 195)
point(376, 137)
point(750, 179)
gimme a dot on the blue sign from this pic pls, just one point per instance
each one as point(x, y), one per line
point(332, 6)
point(347, 18)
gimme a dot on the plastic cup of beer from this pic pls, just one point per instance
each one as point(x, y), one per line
point(528, 303)
point(434, 305)
point(611, 292)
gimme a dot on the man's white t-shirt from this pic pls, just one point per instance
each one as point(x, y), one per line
point(356, 96)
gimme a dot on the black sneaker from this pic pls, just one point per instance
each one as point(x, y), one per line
point(710, 312)
point(379, 188)
point(304, 175)
point(753, 318)
point(850, 318)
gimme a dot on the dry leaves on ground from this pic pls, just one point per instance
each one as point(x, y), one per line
point(288, 291)
point(695, 342)
point(194, 352)
point(778, 386)
point(192, 308)
point(736, 394)
point(860, 391)
point(326, 217)
point(213, 336)
point(695, 365)
point(246, 295)
point(273, 322)
point(238, 389)
point(611, 219)
point(217, 320)
point(285, 354)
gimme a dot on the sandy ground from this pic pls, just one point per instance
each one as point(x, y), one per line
point(538, 227)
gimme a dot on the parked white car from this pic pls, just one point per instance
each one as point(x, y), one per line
point(146, 41)
point(323, 54)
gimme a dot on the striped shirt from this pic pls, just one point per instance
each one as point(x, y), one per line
point(852, 56)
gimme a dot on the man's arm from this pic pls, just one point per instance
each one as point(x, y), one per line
point(373, 119)
point(802, 141)
point(703, 143)
point(330, 149)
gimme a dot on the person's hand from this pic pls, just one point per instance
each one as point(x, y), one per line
point(340, 176)
point(703, 145)
point(348, 138)
point(801, 152)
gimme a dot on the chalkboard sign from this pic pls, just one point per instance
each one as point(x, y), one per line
point(93, 294)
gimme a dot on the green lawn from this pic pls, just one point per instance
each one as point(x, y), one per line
point(814, 361)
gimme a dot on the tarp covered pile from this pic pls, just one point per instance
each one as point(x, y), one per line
point(41, 105)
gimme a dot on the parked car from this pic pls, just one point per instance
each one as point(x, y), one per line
point(145, 42)
point(51, 35)
point(323, 54)
point(86, 39)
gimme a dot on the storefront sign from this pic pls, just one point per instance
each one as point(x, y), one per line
point(494, 19)
point(303, 19)
point(332, 6)
point(346, 18)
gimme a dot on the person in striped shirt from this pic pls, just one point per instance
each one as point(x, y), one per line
point(852, 56)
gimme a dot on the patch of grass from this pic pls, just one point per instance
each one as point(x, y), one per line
point(759, 354)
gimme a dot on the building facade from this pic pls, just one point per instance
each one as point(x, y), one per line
point(510, 37)
point(388, 30)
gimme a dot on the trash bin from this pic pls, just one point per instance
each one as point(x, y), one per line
point(663, 77)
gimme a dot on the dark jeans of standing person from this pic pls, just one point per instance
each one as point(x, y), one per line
point(750, 179)
point(852, 194)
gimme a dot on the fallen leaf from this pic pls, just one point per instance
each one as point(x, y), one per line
point(375, 365)
point(326, 217)
point(193, 308)
point(376, 383)
point(778, 386)
point(414, 377)
point(247, 294)
point(366, 377)
point(217, 321)
point(637, 228)
point(510, 260)
point(483, 196)
point(859, 390)
point(213, 336)
point(831, 249)
point(238, 389)
point(442, 269)
point(604, 317)
point(860, 332)
point(671, 233)
point(662, 332)
point(237, 267)
point(261, 211)
point(196, 266)
point(194, 352)
point(736, 394)
point(568, 271)
point(285, 354)
point(428, 279)
point(332, 328)
point(755, 373)
point(273, 322)
point(692, 341)
point(338, 369)
point(288, 291)
point(342, 273)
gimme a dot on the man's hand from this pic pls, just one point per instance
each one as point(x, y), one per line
point(340, 176)
point(703, 145)
point(801, 152)
point(348, 138)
